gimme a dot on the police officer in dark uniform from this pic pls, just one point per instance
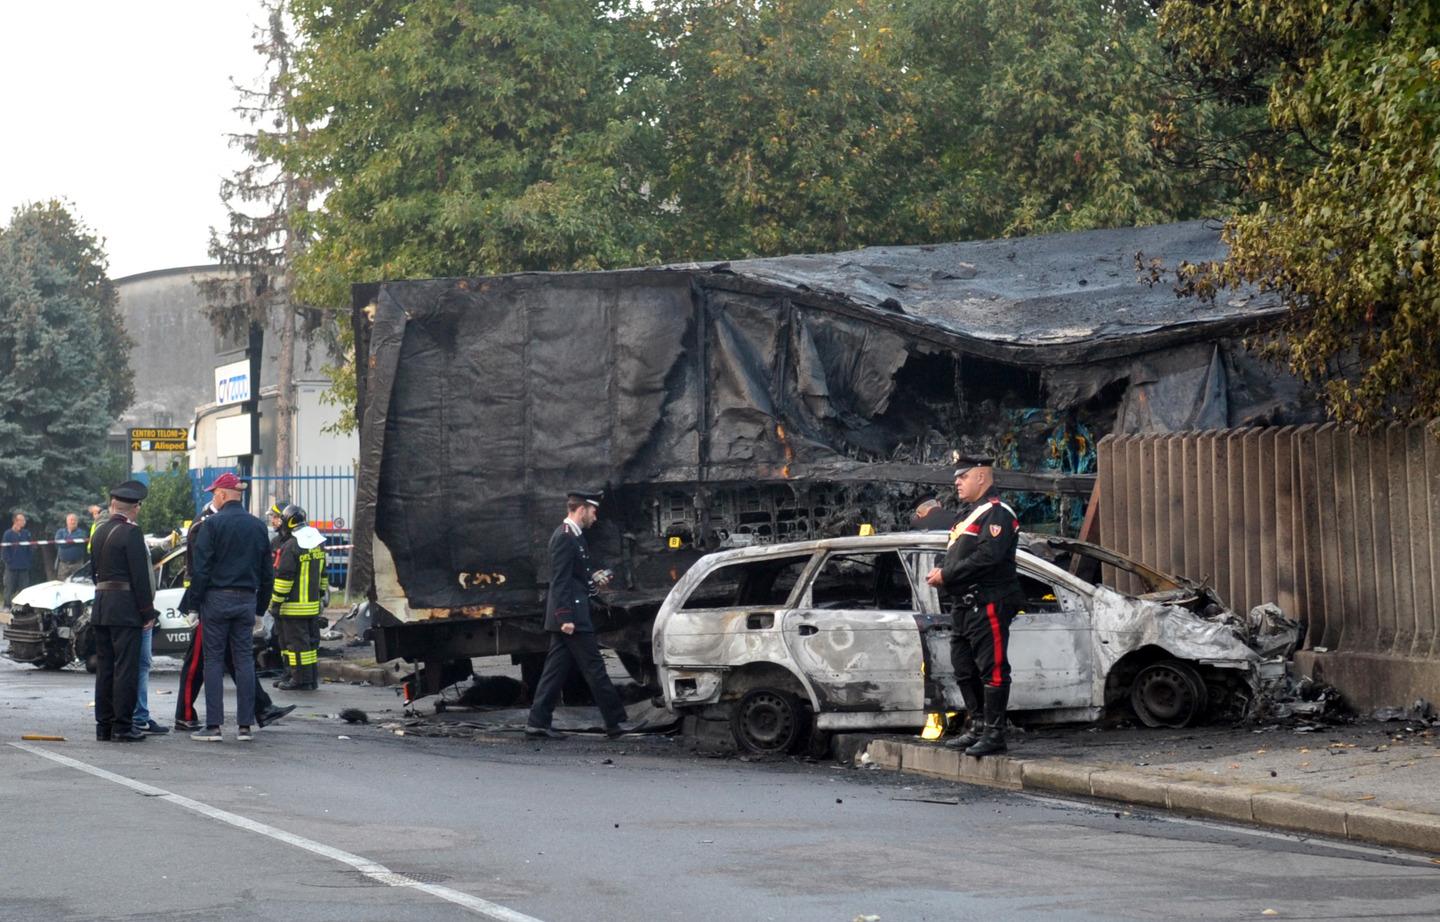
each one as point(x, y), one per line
point(567, 619)
point(978, 575)
point(192, 670)
point(124, 605)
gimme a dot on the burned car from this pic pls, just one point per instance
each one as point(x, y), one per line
point(50, 622)
point(844, 634)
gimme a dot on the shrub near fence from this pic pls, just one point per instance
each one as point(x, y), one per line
point(1340, 527)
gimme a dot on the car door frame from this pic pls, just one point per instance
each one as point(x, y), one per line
point(1042, 643)
point(889, 701)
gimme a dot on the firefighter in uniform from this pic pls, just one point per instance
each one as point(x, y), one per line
point(124, 605)
point(978, 575)
point(299, 583)
point(272, 636)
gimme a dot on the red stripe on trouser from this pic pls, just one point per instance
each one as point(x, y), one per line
point(187, 683)
point(995, 678)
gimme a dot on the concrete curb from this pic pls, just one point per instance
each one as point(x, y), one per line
point(1299, 813)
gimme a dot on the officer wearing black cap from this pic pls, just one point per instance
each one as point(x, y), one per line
point(978, 574)
point(567, 619)
point(124, 605)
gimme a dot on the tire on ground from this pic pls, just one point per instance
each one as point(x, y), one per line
point(769, 721)
point(1170, 693)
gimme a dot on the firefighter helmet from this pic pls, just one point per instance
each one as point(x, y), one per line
point(277, 508)
point(292, 517)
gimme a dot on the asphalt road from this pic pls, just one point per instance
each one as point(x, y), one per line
point(304, 825)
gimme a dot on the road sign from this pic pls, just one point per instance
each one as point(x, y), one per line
point(235, 435)
point(159, 439)
point(232, 383)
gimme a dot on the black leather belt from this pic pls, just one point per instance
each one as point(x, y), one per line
point(113, 584)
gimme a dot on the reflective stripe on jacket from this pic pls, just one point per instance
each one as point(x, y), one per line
point(299, 580)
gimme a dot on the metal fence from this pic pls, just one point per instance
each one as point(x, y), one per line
point(1339, 527)
point(327, 494)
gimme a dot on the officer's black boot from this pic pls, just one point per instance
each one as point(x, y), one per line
point(992, 741)
point(974, 725)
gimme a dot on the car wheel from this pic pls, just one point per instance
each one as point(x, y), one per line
point(1169, 694)
point(54, 663)
point(767, 721)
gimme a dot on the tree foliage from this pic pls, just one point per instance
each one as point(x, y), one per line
point(1347, 185)
point(1063, 117)
point(490, 136)
point(485, 137)
point(64, 361)
point(788, 127)
point(169, 503)
point(469, 138)
point(267, 205)
point(808, 125)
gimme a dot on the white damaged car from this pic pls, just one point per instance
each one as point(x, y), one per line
point(50, 622)
point(844, 634)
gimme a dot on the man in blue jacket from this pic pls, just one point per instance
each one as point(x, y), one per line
point(70, 555)
point(17, 557)
point(572, 632)
point(231, 585)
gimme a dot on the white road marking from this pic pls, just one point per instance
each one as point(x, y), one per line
point(371, 869)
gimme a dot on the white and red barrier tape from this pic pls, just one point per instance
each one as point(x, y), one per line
point(37, 543)
point(328, 547)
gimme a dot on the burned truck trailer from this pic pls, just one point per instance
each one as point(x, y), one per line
point(726, 404)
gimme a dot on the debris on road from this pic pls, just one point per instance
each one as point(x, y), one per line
point(354, 716)
point(1419, 711)
point(42, 738)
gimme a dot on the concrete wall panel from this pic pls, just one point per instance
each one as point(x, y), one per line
point(1340, 527)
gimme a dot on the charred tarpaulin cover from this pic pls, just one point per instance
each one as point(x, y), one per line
point(483, 400)
point(489, 399)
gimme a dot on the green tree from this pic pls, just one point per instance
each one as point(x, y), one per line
point(788, 127)
point(1346, 184)
point(267, 204)
point(107, 469)
point(469, 138)
point(1054, 115)
point(65, 360)
point(804, 125)
point(169, 503)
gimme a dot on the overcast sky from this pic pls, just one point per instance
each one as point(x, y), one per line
point(122, 110)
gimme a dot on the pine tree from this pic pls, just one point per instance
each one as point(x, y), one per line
point(64, 362)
